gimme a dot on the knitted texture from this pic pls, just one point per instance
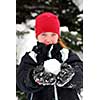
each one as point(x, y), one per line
point(47, 22)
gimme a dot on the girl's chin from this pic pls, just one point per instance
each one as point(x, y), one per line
point(47, 43)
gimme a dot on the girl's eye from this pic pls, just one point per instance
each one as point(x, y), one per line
point(43, 34)
point(53, 35)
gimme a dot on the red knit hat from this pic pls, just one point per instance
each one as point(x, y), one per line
point(47, 22)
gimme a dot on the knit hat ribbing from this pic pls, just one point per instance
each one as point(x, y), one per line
point(47, 22)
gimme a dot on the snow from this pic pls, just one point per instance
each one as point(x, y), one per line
point(21, 27)
point(73, 33)
point(52, 66)
point(64, 29)
point(79, 4)
point(30, 23)
point(24, 44)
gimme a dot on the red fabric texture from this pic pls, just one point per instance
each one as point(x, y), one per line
point(47, 22)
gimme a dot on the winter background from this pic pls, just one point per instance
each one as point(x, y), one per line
point(8, 49)
point(25, 36)
point(72, 34)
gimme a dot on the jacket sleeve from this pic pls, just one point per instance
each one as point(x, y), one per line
point(24, 78)
point(77, 80)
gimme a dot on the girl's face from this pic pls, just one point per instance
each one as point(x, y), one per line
point(48, 38)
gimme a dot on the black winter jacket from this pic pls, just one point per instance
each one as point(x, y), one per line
point(34, 91)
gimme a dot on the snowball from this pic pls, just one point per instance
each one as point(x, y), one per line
point(52, 66)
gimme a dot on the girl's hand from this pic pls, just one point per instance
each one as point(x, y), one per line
point(45, 78)
point(65, 75)
point(41, 50)
point(56, 52)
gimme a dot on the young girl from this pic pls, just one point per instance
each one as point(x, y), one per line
point(50, 64)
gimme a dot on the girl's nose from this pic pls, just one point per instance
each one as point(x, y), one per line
point(48, 40)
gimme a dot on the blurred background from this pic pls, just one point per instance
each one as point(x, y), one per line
point(70, 14)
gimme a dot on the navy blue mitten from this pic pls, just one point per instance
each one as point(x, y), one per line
point(65, 75)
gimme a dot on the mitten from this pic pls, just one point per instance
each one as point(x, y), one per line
point(38, 69)
point(42, 77)
point(56, 52)
point(41, 50)
point(45, 78)
point(65, 75)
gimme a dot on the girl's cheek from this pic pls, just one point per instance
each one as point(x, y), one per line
point(45, 42)
point(41, 39)
point(55, 41)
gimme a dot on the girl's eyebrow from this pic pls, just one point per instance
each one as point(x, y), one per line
point(43, 34)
